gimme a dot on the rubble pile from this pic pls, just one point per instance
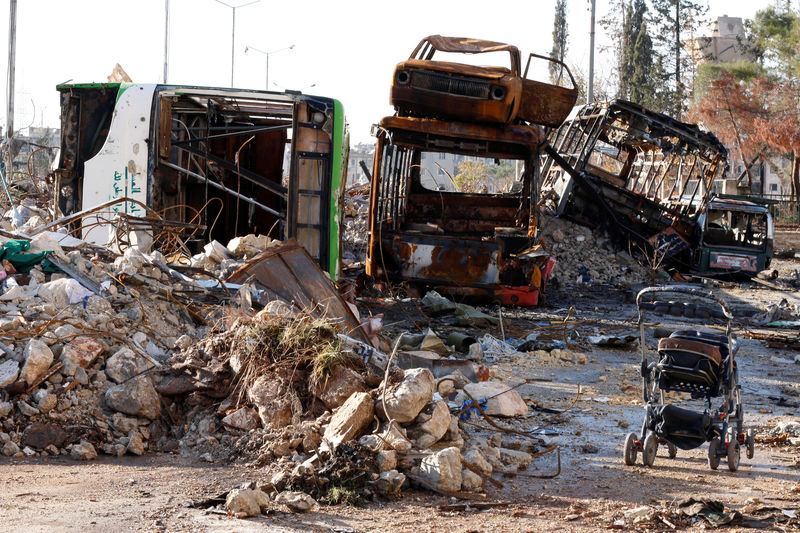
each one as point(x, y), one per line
point(323, 416)
point(355, 238)
point(587, 256)
point(84, 332)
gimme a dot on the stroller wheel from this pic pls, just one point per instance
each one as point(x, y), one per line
point(734, 452)
point(713, 454)
point(649, 450)
point(672, 450)
point(751, 443)
point(629, 452)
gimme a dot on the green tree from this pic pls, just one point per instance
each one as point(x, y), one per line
point(560, 35)
point(673, 22)
point(643, 82)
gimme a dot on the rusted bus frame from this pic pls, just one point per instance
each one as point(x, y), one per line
point(576, 135)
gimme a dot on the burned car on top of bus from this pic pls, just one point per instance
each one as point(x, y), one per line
point(428, 87)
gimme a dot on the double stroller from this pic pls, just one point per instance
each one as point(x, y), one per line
point(702, 366)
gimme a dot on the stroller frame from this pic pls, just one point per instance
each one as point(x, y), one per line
point(723, 427)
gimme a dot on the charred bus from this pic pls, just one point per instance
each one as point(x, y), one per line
point(211, 162)
point(647, 177)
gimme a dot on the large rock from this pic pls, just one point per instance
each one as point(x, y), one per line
point(124, 365)
point(340, 385)
point(406, 399)
point(350, 420)
point(295, 501)
point(431, 424)
point(470, 481)
point(502, 399)
point(443, 469)
point(9, 371)
point(40, 436)
point(269, 396)
point(242, 503)
point(83, 451)
point(83, 351)
point(389, 482)
point(245, 419)
point(38, 358)
point(136, 397)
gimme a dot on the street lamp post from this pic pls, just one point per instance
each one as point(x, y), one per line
point(233, 26)
point(266, 54)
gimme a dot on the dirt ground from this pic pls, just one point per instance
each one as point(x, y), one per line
point(592, 492)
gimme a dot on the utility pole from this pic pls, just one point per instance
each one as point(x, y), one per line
point(12, 46)
point(166, 40)
point(233, 27)
point(590, 93)
point(247, 48)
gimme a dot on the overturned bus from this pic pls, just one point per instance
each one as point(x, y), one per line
point(198, 163)
point(648, 178)
point(471, 237)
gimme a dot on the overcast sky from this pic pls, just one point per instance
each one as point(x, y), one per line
point(348, 49)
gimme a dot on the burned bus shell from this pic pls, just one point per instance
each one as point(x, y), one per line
point(464, 243)
point(213, 163)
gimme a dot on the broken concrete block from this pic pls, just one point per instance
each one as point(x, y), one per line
point(406, 399)
point(124, 365)
point(395, 438)
point(136, 397)
point(123, 424)
point(443, 469)
point(245, 419)
point(135, 443)
point(216, 252)
point(83, 451)
point(476, 459)
point(268, 394)
point(340, 385)
point(431, 424)
point(242, 503)
point(350, 420)
point(470, 481)
point(249, 245)
point(10, 449)
point(26, 409)
point(502, 399)
point(9, 371)
point(47, 403)
point(386, 459)
point(82, 350)
point(389, 482)
point(38, 358)
point(514, 458)
point(295, 501)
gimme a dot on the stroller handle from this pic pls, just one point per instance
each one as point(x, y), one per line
point(690, 291)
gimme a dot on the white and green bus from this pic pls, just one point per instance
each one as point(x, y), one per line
point(229, 161)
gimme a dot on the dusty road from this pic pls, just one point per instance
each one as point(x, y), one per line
point(592, 493)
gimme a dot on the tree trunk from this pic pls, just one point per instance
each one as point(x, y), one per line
point(794, 202)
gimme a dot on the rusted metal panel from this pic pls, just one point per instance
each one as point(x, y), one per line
point(291, 273)
point(546, 103)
